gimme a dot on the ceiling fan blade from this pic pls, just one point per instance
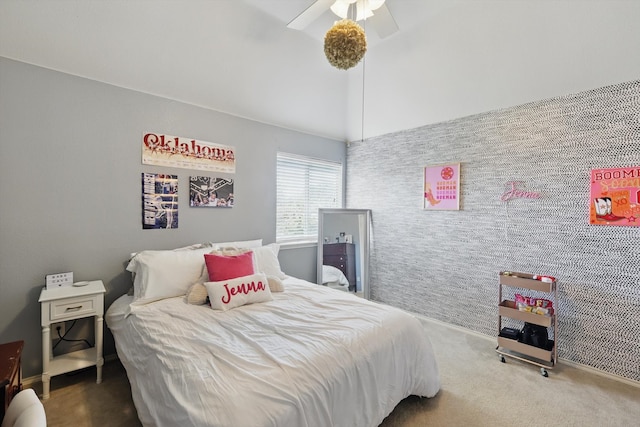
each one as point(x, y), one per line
point(310, 14)
point(383, 22)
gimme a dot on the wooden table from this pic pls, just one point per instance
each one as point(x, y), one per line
point(10, 373)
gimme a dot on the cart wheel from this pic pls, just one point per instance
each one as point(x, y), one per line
point(502, 359)
point(544, 372)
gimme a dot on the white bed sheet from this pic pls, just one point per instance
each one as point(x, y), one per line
point(313, 356)
point(334, 277)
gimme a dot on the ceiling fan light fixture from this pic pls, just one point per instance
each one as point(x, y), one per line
point(364, 8)
point(363, 12)
point(341, 8)
point(345, 44)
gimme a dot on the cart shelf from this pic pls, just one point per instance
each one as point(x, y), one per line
point(545, 358)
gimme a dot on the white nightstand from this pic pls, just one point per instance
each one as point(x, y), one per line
point(69, 303)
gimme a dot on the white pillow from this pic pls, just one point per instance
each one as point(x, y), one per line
point(194, 246)
point(232, 293)
point(133, 266)
point(182, 248)
point(197, 293)
point(266, 260)
point(165, 274)
point(139, 266)
point(239, 244)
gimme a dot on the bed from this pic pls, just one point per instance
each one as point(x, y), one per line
point(334, 278)
point(308, 356)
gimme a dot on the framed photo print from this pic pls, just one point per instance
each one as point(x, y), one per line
point(207, 192)
point(159, 201)
point(442, 187)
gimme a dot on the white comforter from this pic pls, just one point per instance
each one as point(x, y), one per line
point(332, 275)
point(313, 356)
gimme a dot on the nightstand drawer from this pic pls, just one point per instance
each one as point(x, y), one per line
point(73, 308)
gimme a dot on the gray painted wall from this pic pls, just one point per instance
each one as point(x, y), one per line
point(70, 187)
point(445, 264)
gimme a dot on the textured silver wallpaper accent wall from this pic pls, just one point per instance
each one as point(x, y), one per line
point(445, 264)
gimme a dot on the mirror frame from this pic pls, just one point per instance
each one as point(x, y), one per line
point(364, 239)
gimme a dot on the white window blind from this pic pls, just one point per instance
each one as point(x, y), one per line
point(304, 185)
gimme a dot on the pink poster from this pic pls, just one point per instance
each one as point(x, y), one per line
point(442, 187)
point(615, 197)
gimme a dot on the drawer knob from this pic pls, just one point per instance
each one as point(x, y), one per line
point(73, 309)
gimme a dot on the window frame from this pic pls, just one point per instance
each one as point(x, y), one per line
point(312, 164)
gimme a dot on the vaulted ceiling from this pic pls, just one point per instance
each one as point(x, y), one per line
point(228, 55)
point(450, 57)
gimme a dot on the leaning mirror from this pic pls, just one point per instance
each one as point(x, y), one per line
point(343, 249)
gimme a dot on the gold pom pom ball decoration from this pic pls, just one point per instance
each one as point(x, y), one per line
point(345, 44)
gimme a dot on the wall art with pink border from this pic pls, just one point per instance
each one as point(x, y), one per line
point(615, 197)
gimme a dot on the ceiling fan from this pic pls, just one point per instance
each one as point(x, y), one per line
point(375, 11)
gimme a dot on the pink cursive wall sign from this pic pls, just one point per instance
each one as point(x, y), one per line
point(514, 193)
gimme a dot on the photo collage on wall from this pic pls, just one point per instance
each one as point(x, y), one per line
point(159, 201)
point(207, 192)
point(160, 191)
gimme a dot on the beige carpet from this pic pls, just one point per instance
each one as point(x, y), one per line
point(477, 390)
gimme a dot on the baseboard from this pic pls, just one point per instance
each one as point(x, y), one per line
point(599, 372)
point(29, 382)
point(566, 362)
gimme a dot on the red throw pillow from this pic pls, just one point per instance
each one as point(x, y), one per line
point(225, 267)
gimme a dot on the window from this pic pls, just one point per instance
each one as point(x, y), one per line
point(304, 185)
